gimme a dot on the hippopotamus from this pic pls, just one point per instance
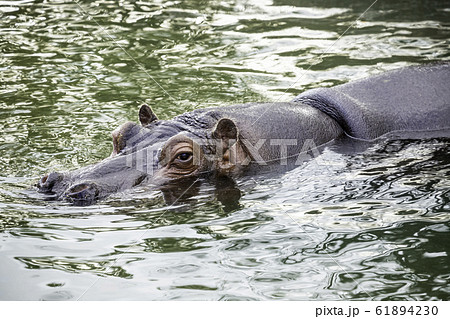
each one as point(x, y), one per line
point(252, 138)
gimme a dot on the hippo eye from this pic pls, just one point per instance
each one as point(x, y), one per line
point(184, 157)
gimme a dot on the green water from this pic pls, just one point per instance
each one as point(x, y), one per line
point(371, 225)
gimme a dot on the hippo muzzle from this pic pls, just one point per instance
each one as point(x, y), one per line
point(85, 186)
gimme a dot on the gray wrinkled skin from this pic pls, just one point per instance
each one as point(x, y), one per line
point(408, 99)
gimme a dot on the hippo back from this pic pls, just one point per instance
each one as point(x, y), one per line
point(415, 98)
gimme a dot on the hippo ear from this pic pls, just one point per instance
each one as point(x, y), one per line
point(226, 136)
point(146, 115)
point(229, 150)
point(226, 130)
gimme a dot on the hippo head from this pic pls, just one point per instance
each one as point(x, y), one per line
point(156, 152)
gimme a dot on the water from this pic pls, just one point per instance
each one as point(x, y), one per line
point(364, 221)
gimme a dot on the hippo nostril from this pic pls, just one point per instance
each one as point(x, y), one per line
point(47, 182)
point(79, 188)
point(83, 193)
point(44, 179)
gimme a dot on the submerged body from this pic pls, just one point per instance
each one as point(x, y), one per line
point(244, 139)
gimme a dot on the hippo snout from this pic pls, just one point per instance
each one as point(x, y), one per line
point(48, 182)
point(85, 193)
point(59, 186)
